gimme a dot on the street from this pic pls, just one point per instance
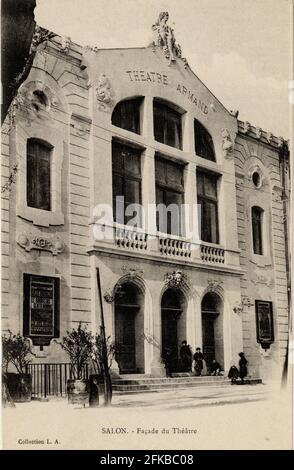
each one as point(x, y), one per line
point(247, 417)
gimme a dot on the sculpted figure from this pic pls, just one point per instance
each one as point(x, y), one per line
point(104, 93)
point(227, 143)
point(166, 38)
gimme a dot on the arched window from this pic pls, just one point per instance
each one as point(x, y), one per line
point(167, 124)
point(39, 174)
point(126, 115)
point(257, 216)
point(203, 142)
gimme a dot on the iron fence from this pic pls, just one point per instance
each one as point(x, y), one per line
point(51, 379)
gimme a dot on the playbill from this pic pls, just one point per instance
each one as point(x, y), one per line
point(146, 225)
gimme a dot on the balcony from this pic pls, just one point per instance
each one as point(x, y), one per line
point(135, 242)
point(174, 247)
point(130, 239)
point(212, 254)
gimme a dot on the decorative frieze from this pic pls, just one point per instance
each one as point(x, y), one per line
point(30, 242)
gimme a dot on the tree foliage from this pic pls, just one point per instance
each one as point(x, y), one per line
point(98, 353)
point(78, 343)
point(16, 350)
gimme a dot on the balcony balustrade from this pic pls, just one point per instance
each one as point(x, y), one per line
point(130, 239)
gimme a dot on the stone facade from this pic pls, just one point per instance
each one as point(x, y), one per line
point(81, 88)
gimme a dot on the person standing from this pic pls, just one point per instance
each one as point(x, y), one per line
point(233, 374)
point(167, 359)
point(242, 367)
point(198, 358)
point(186, 357)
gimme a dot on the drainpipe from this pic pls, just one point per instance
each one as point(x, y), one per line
point(285, 176)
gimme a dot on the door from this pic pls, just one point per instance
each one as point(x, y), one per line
point(208, 338)
point(169, 320)
point(126, 338)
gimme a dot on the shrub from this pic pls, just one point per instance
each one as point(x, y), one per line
point(16, 350)
point(78, 343)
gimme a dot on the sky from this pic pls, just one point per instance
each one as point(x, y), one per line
point(240, 49)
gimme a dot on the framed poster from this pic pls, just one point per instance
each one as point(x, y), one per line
point(41, 308)
point(264, 323)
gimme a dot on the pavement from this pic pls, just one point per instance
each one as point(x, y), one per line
point(229, 417)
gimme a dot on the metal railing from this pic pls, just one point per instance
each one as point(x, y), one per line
point(51, 379)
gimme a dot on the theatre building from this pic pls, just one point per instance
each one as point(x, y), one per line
point(91, 125)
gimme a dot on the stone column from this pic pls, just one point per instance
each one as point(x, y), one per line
point(148, 190)
point(157, 366)
point(147, 127)
point(198, 324)
point(148, 173)
point(191, 212)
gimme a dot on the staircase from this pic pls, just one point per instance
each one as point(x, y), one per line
point(140, 383)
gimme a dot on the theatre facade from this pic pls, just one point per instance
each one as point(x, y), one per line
point(91, 126)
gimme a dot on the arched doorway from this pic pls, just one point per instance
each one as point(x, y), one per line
point(129, 328)
point(212, 328)
point(173, 324)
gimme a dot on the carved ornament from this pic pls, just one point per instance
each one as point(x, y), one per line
point(30, 242)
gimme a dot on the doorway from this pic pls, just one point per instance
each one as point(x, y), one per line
point(173, 311)
point(212, 329)
point(129, 327)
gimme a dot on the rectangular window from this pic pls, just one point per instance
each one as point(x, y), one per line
point(126, 180)
point(38, 175)
point(207, 198)
point(257, 214)
point(264, 323)
point(167, 125)
point(169, 191)
point(41, 308)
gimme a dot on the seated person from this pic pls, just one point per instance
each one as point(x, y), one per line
point(215, 368)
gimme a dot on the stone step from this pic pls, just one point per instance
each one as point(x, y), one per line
point(159, 380)
point(131, 386)
point(164, 386)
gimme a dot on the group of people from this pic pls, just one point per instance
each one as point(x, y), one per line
point(214, 368)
